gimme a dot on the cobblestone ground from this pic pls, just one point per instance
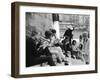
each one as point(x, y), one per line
point(72, 61)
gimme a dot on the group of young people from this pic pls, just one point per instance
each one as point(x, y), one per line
point(78, 49)
point(51, 50)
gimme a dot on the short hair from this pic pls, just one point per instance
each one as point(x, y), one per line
point(80, 46)
point(48, 34)
point(53, 30)
point(74, 41)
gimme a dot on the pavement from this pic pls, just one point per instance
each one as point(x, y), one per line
point(72, 61)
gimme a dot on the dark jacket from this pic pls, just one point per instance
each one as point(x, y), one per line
point(68, 33)
point(31, 51)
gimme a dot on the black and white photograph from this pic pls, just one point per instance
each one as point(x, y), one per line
point(51, 39)
point(57, 39)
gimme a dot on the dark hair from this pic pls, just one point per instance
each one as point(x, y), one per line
point(53, 31)
point(48, 34)
point(74, 41)
point(80, 46)
point(80, 37)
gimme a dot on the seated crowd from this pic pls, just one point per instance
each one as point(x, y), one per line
point(50, 50)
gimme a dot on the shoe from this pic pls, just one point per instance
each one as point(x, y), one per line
point(87, 62)
point(66, 63)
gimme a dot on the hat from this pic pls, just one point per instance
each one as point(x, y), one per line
point(70, 27)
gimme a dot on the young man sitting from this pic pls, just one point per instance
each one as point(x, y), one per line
point(33, 54)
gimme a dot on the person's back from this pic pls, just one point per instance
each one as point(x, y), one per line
point(31, 51)
point(68, 33)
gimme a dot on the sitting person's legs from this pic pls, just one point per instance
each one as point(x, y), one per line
point(57, 52)
point(43, 59)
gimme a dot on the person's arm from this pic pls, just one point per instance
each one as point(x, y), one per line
point(73, 28)
point(65, 33)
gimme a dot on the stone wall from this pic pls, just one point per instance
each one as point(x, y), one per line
point(39, 22)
